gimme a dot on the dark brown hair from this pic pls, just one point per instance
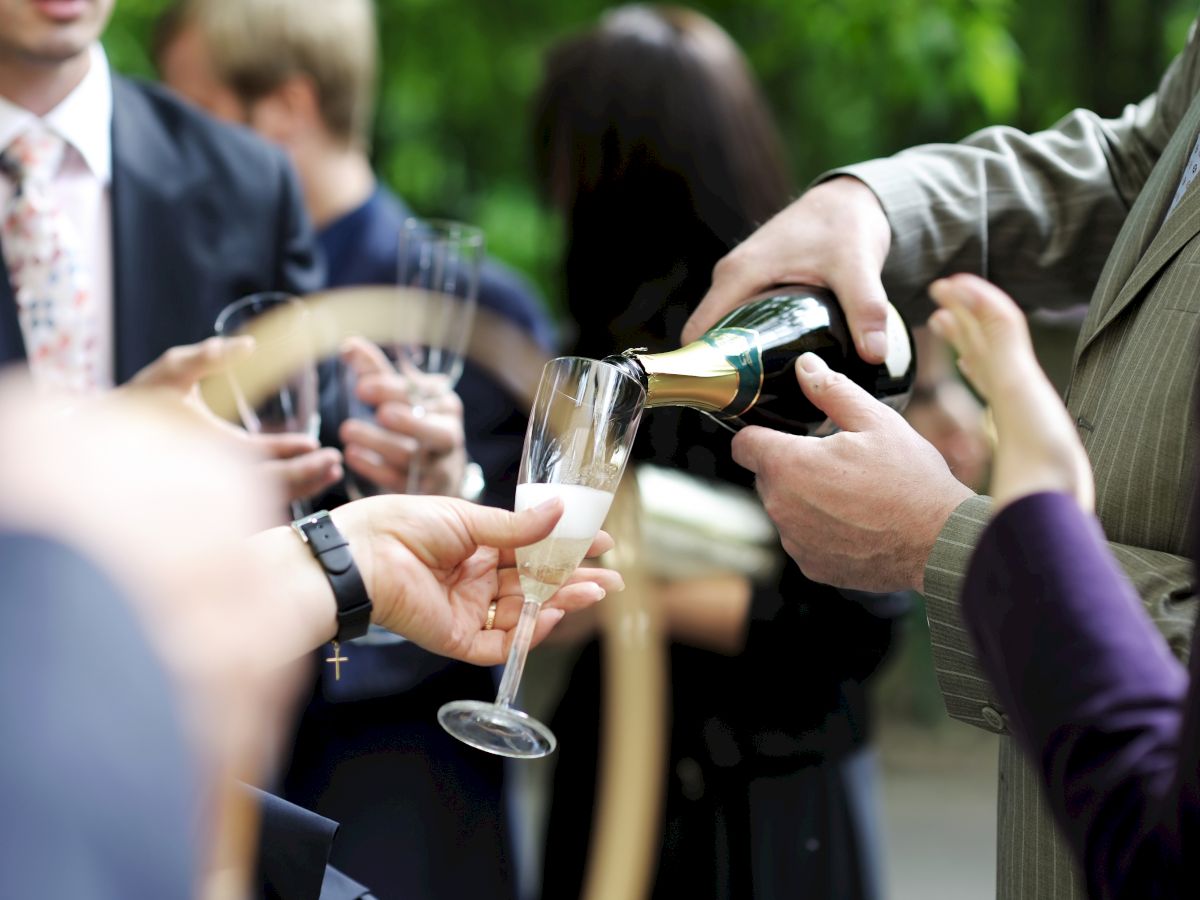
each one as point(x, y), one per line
point(652, 138)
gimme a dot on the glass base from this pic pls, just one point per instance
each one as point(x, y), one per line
point(497, 729)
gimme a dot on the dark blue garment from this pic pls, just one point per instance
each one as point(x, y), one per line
point(293, 852)
point(421, 814)
point(97, 786)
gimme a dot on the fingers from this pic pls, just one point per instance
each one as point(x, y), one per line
point(436, 433)
point(587, 585)
point(860, 293)
point(183, 366)
point(836, 234)
point(944, 324)
point(490, 648)
point(753, 446)
point(364, 357)
point(387, 458)
point(308, 474)
point(370, 465)
point(978, 303)
point(393, 449)
point(281, 446)
point(601, 545)
point(735, 279)
point(986, 328)
point(848, 406)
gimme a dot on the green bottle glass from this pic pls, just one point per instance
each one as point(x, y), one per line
point(742, 371)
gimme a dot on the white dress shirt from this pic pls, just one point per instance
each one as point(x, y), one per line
point(83, 184)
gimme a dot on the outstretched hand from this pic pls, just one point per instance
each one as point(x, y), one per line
point(1037, 446)
point(858, 509)
point(433, 565)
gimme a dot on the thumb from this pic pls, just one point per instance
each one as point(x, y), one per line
point(499, 528)
point(754, 447)
point(861, 295)
point(847, 405)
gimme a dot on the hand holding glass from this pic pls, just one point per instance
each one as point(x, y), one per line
point(442, 259)
point(580, 434)
point(295, 406)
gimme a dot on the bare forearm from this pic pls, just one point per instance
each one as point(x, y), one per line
point(293, 594)
point(708, 612)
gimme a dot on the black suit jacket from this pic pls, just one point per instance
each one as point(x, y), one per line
point(203, 213)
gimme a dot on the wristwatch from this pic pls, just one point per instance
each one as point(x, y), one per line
point(332, 551)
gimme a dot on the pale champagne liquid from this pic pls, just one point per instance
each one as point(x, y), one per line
point(544, 566)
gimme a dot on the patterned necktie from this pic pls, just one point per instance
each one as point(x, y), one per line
point(55, 306)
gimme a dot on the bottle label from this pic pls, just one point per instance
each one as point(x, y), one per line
point(741, 349)
point(899, 355)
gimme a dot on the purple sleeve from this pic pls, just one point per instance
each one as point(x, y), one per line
point(1093, 694)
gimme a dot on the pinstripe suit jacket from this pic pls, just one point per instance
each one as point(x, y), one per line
point(1052, 217)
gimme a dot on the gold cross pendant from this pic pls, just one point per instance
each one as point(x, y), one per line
point(337, 659)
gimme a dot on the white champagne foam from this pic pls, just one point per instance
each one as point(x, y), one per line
point(584, 508)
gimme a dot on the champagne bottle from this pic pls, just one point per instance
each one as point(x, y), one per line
point(742, 371)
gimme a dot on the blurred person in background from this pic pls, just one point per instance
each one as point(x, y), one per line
point(313, 95)
point(654, 143)
point(422, 814)
point(153, 668)
point(128, 220)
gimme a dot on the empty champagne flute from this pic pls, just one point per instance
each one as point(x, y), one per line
point(442, 260)
point(580, 434)
point(295, 406)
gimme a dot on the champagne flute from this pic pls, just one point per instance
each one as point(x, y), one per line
point(580, 434)
point(295, 406)
point(443, 260)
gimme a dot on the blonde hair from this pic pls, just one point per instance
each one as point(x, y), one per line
point(256, 45)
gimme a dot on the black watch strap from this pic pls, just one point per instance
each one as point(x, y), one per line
point(332, 551)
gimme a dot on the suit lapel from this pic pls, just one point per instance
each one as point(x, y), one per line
point(1142, 250)
point(12, 343)
point(149, 176)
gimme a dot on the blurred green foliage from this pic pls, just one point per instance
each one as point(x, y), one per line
point(848, 80)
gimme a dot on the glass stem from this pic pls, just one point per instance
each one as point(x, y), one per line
point(414, 463)
point(414, 474)
point(517, 654)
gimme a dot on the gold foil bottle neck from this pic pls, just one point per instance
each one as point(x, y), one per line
point(698, 375)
